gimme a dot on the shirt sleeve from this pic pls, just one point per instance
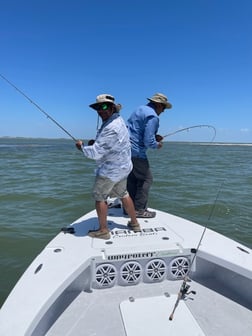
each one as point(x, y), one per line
point(102, 145)
point(150, 131)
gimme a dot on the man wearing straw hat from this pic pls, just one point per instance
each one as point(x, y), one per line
point(143, 125)
point(112, 152)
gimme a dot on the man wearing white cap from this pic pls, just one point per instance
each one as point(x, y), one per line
point(143, 126)
point(112, 152)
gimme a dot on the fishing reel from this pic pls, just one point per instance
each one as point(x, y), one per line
point(182, 295)
point(184, 290)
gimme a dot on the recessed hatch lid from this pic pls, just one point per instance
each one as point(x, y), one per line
point(150, 316)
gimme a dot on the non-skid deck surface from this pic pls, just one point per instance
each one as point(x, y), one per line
point(107, 313)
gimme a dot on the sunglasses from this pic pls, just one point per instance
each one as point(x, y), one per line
point(102, 107)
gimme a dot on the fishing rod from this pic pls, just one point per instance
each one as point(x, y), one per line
point(183, 291)
point(37, 106)
point(190, 127)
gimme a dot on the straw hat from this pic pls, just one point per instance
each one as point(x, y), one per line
point(160, 98)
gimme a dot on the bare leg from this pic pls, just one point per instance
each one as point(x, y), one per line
point(101, 209)
point(130, 209)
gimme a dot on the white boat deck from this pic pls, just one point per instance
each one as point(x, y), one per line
point(144, 309)
point(128, 285)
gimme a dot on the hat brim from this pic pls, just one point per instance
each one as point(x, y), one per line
point(117, 106)
point(94, 106)
point(167, 104)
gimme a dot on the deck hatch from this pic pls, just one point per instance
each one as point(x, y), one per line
point(150, 316)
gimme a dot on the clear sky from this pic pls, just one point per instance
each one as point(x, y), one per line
point(62, 54)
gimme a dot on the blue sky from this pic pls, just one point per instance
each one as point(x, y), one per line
point(62, 54)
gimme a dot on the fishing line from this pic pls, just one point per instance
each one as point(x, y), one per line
point(184, 286)
point(190, 127)
point(205, 228)
point(37, 106)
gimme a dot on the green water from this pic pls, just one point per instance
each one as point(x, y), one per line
point(46, 184)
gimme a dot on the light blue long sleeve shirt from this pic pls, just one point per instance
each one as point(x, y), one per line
point(111, 150)
point(143, 125)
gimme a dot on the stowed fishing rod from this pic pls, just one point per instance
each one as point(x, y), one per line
point(38, 107)
point(184, 288)
point(190, 127)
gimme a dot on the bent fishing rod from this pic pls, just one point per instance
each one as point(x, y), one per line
point(37, 106)
point(190, 127)
point(184, 288)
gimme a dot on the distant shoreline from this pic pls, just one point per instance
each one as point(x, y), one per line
point(179, 142)
point(32, 138)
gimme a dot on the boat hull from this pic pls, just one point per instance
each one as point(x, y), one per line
point(77, 284)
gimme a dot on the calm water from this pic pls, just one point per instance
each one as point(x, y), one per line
point(46, 184)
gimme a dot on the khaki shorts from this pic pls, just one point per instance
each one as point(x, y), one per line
point(104, 188)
